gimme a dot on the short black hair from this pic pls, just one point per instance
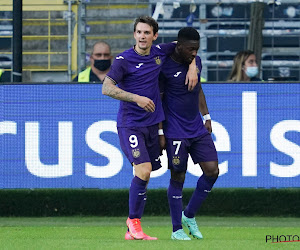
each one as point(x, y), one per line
point(148, 20)
point(187, 34)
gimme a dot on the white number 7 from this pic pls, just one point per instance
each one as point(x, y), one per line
point(177, 143)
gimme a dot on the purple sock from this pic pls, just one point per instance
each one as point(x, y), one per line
point(137, 192)
point(204, 186)
point(175, 203)
point(142, 207)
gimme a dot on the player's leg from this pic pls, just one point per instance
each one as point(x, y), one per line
point(203, 188)
point(203, 152)
point(177, 162)
point(134, 144)
point(175, 204)
point(137, 193)
point(138, 189)
point(153, 149)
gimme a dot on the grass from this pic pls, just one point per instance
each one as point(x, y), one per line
point(108, 233)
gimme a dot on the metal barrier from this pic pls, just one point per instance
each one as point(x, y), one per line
point(59, 40)
point(223, 27)
point(49, 36)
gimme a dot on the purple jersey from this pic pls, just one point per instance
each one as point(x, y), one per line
point(138, 74)
point(181, 107)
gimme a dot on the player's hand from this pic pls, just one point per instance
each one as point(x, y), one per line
point(208, 126)
point(145, 103)
point(191, 78)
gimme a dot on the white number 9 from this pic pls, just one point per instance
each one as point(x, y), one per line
point(134, 141)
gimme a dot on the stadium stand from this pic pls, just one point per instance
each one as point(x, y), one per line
point(224, 30)
point(110, 21)
point(223, 26)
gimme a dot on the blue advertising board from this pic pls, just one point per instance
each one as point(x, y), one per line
point(65, 136)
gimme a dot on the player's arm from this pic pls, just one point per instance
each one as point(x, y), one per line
point(162, 139)
point(110, 89)
point(192, 76)
point(204, 111)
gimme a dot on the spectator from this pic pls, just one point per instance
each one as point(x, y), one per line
point(100, 59)
point(244, 67)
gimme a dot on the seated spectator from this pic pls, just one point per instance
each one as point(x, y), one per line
point(244, 68)
point(100, 59)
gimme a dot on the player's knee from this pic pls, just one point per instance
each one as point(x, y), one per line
point(178, 176)
point(212, 170)
point(215, 172)
point(145, 174)
point(143, 171)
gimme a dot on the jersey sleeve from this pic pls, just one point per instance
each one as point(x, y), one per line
point(167, 48)
point(118, 69)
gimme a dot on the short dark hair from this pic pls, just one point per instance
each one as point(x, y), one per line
point(148, 20)
point(188, 33)
point(101, 42)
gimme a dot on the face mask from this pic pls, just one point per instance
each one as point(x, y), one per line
point(251, 71)
point(102, 65)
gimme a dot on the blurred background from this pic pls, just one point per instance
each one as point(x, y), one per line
point(58, 35)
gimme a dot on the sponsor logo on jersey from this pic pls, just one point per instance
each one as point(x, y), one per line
point(157, 46)
point(177, 73)
point(119, 57)
point(139, 65)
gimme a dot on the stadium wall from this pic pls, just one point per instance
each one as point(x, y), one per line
point(65, 136)
point(60, 154)
point(87, 202)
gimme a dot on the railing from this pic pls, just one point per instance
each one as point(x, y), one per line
point(223, 27)
point(46, 41)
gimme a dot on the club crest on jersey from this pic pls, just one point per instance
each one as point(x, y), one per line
point(136, 153)
point(176, 160)
point(157, 60)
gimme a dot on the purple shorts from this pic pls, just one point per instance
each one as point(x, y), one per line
point(141, 144)
point(201, 149)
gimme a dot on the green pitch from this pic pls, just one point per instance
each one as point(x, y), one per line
point(108, 233)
